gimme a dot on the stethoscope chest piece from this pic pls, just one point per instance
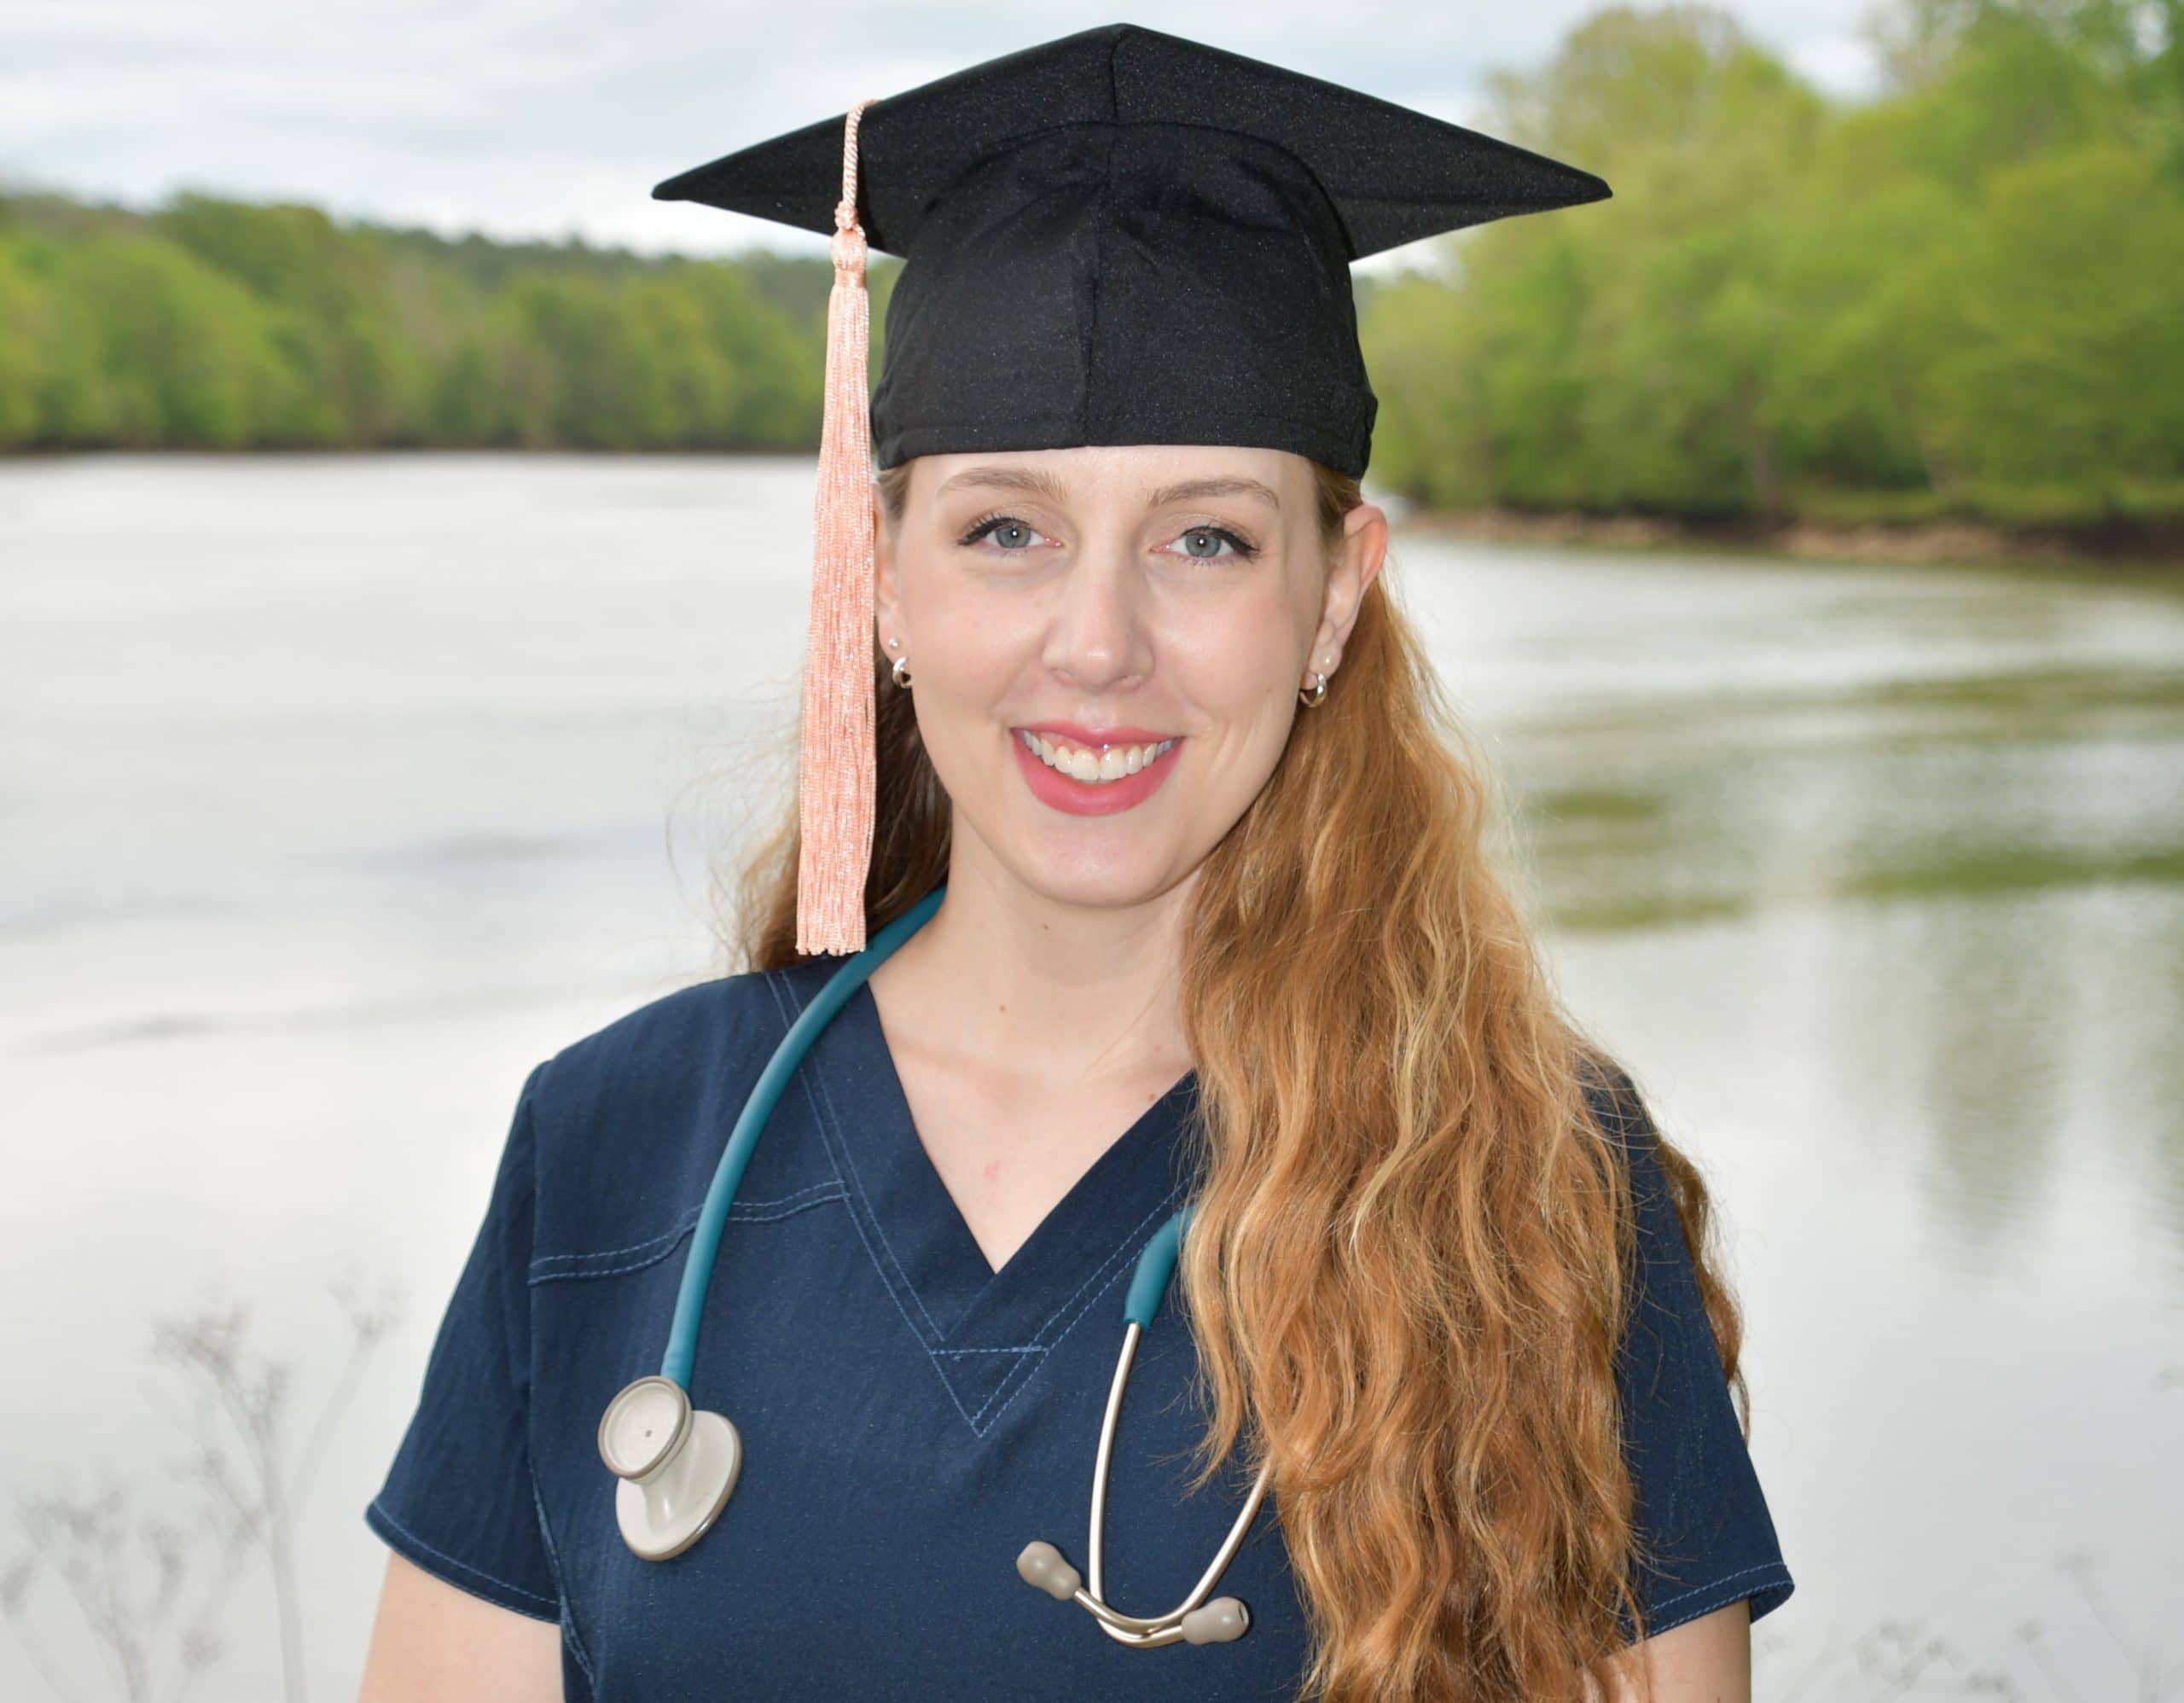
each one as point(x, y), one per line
point(676, 1464)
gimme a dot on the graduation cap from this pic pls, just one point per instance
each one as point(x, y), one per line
point(1118, 237)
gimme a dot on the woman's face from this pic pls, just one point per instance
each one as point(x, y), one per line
point(1108, 600)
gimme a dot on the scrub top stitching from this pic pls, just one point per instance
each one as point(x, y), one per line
point(467, 1569)
point(1010, 1388)
point(894, 1290)
point(567, 1610)
point(553, 1268)
point(830, 1124)
point(1047, 1338)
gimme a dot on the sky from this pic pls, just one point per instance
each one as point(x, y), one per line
point(552, 118)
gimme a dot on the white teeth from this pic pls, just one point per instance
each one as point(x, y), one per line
point(1095, 768)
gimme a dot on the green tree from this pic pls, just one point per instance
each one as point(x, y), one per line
point(1965, 289)
point(1964, 295)
point(180, 352)
point(336, 325)
point(26, 354)
point(2064, 361)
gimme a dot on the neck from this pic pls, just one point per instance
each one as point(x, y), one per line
point(1087, 991)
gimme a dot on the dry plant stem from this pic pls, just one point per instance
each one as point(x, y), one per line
point(252, 1496)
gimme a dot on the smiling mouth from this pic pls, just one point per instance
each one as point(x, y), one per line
point(1095, 768)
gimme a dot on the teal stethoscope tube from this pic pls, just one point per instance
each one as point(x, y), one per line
point(743, 1140)
point(1155, 1266)
point(674, 1484)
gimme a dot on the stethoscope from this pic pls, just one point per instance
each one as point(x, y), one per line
point(677, 1464)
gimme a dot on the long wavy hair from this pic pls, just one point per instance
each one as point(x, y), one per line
point(1407, 1273)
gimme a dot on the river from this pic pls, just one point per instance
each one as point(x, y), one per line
point(339, 791)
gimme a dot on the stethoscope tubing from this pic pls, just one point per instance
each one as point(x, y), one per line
point(1147, 1289)
point(1147, 1633)
point(682, 1356)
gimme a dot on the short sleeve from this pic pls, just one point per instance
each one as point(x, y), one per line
point(1700, 1503)
point(459, 1500)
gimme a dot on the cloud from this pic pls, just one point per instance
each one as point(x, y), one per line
point(551, 119)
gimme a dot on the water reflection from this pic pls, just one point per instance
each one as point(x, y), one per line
point(2016, 839)
point(340, 790)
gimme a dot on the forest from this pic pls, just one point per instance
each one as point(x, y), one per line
point(1959, 296)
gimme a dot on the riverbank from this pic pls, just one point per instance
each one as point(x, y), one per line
point(2153, 541)
point(1919, 543)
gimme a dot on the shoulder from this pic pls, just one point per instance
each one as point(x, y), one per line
point(627, 1123)
point(657, 1056)
point(1709, 1536)
point(1616, 1106)
point(1663, 1247)
point(1619, 1112)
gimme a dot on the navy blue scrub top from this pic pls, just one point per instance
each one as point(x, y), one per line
point(910, 1417)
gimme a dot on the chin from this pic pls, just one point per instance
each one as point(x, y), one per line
point(1071, 877)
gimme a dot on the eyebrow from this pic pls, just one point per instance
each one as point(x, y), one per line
point(1047, 485)
point(1225, 486)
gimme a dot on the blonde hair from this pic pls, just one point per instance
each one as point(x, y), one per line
point(1407, 1272)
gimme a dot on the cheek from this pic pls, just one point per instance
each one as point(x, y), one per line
point(1236, 666)
point(971, 644)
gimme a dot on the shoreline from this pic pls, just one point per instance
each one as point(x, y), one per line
point(2155, 545)
point(1908, 543)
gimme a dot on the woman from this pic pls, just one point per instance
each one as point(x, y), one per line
point(1172, 858)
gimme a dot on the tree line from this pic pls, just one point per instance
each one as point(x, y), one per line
point(1962, 294)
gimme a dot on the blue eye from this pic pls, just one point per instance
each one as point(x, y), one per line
point(1240, 549)
point(1014, 537)
point(1010, 533)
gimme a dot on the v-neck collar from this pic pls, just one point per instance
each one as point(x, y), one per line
point(1127, 1180)
point(986, 1329)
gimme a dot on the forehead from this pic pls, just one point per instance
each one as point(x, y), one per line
point(1147, 474)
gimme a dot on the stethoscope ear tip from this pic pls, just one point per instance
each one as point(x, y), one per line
point(1042, 1564)
point(1221, 1621)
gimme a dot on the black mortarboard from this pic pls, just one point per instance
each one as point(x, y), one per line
point(1118, 237)
point(1124, 237)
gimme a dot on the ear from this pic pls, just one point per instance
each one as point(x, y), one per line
point(886, 599)
point(1357, 564)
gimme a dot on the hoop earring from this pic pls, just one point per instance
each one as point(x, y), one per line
point(900, 671)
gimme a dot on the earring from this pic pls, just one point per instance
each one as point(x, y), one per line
point(898, 668)
point(1319, 691)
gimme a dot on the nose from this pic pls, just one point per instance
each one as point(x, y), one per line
point(1099, 638)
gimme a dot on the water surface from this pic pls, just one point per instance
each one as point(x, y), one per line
point(337, 792)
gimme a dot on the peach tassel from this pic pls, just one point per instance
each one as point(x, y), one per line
point(835, 779)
